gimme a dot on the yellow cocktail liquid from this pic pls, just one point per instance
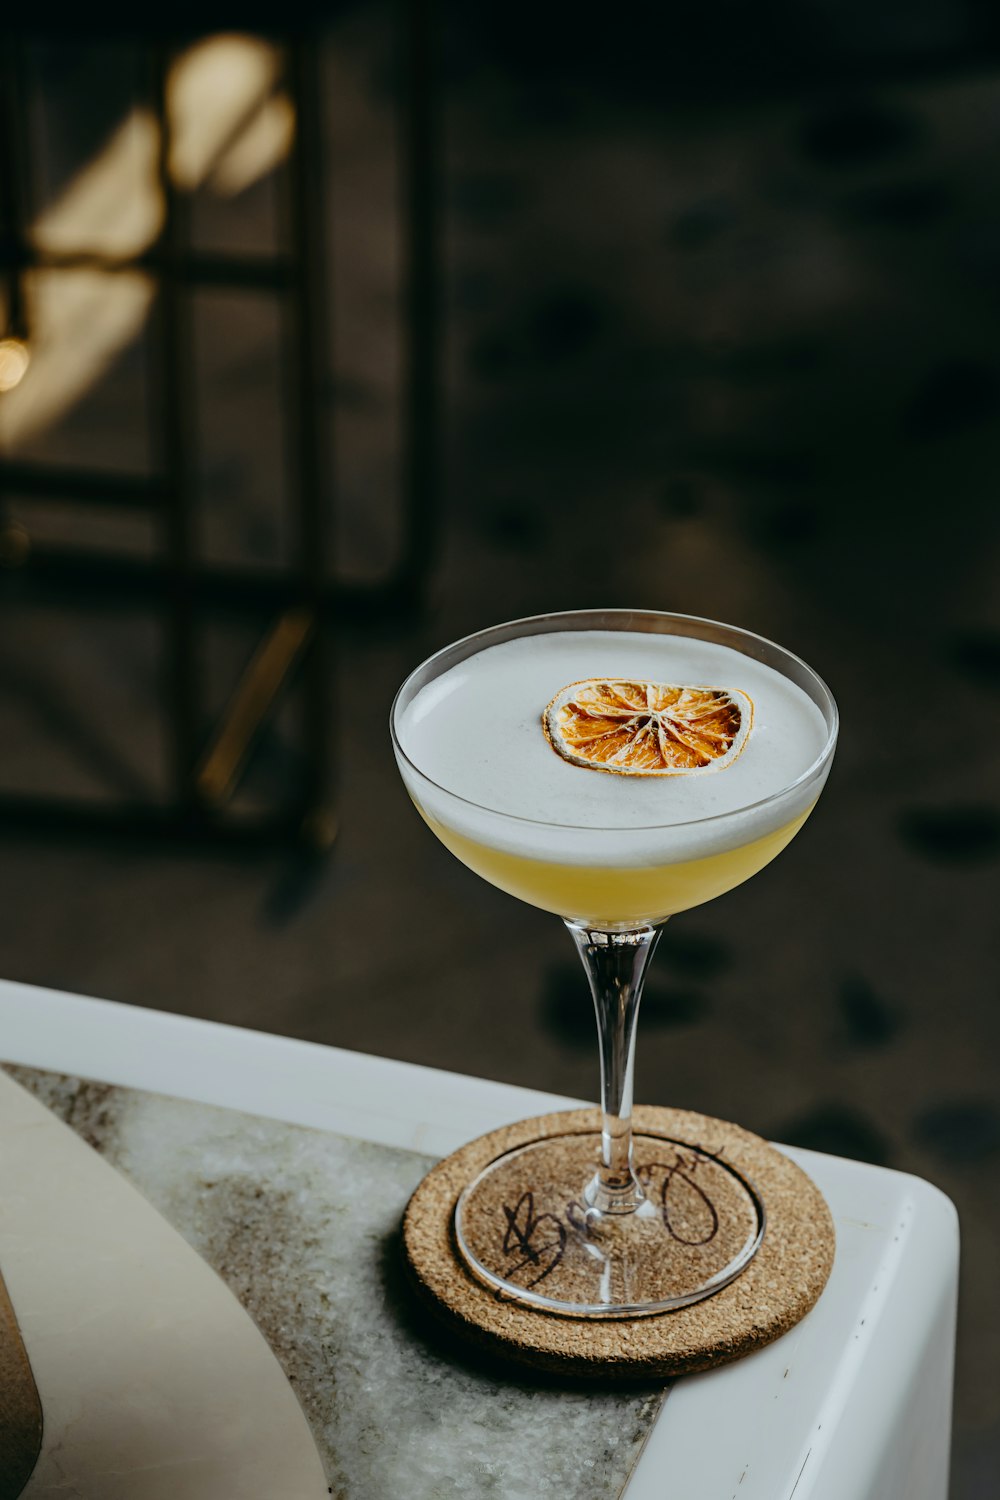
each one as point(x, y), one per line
point(611, 894)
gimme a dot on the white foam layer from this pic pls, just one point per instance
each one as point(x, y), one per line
point(476, 731)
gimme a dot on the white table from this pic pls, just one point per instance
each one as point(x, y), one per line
point(853, 1404)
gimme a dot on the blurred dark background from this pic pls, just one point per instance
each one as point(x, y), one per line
point(425, 320)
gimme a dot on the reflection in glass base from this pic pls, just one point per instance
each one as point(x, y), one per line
point(523, 1226)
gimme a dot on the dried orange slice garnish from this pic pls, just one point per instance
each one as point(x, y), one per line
point(647, 728)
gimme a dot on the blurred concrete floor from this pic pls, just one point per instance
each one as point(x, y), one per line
point(739, 364)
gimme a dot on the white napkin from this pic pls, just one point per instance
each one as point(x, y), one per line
point(154, 1383)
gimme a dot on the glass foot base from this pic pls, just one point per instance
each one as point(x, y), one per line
point(524, 1227)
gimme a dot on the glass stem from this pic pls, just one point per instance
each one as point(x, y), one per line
point(615, 963)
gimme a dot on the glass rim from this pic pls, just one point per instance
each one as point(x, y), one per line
point(809, 774)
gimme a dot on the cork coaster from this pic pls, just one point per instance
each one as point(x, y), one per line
point(777, 1288)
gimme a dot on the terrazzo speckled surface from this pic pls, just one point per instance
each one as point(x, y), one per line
point(279, 1212)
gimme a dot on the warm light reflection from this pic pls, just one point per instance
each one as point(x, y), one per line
point(81, 320)
point(15, 358)
point(261, 147)
point(113, 206)
point(228, 127)
point(213, 92)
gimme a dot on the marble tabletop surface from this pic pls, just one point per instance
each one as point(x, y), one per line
point(302, 1225)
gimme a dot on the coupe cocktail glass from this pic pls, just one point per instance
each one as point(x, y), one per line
point(607, 1224)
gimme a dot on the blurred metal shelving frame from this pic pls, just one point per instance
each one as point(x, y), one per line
point(296, 610)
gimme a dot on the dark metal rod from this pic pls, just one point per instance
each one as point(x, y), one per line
point(202, 268)
point(173, 344)
point(103, 580)
point(15, 178)
point(421, 396)
point(66, 818)
point(89, 486)
point(308, 328)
